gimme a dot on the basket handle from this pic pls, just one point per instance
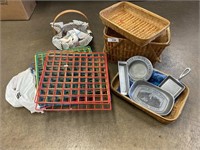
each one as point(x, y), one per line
point(154, 54)
point(68, 11)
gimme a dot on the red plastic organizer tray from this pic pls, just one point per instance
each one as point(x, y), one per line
point(74, 81)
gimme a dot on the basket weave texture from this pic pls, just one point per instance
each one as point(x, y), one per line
point(133, 22)
point(123, 48)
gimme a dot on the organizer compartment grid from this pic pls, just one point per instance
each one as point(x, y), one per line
point(40, 56)
point(74, 107)
point(39, 61)
point(77, 81)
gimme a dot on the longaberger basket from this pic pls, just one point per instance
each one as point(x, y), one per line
point(137, 24)
point(118, 47)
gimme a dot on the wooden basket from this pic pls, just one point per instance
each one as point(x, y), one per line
point(133, 22)
point(175, 113)
point(118, 47)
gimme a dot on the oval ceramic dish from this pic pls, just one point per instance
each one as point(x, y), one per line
point(139, 68)
point(151, 97)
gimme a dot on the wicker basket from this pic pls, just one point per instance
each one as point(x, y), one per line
point(173, 116)
point(65, 30)
point(133, 22)
point(118, 47)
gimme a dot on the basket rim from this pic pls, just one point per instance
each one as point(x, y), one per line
point(152, 42)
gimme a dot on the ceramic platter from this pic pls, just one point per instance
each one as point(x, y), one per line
point(151, 97)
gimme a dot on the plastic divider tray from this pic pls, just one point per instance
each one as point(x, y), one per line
point(40, 56)
point(74, 81)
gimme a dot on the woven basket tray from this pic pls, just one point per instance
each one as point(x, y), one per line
point(135, 23)
point(118, 47)
point(175, 113)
